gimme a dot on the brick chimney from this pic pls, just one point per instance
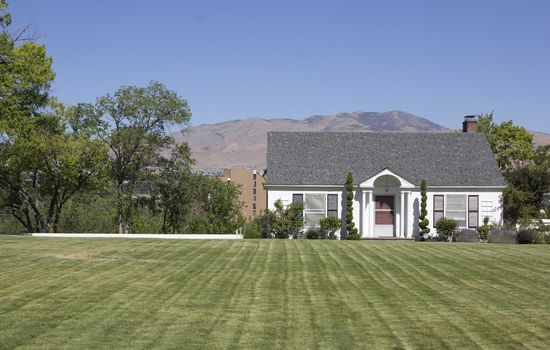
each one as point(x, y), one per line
point(470, 124)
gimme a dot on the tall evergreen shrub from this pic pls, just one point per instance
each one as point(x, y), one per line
point(351, 230)
point(423, 221)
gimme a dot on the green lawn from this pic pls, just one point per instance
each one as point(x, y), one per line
point(101, 293)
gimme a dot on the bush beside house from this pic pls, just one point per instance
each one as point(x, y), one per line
point(446, 228)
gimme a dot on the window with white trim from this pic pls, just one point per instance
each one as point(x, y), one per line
point(456, 208)
point(297, 198)
point(314, 209)
point(332, 205)
point(439, 207)
point(473, 211)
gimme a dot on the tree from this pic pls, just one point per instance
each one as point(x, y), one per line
point(423, 221)
point(350, 225)
point(45, 165)
point(173, 189)
point(44, 160)
point(25, 75)
point(216, 207)
point(525, 170)
point(134, 122)
point(511, 144)
point(527, 184)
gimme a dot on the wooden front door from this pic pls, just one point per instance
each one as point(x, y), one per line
point(384, 210)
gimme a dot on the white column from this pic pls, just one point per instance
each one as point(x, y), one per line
point(364, 214)
point(402, 214)
point(408, 232)
point(371, 214)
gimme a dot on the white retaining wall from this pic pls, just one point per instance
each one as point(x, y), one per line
point(138, 235)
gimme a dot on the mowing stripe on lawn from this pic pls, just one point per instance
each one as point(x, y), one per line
point(169, 294)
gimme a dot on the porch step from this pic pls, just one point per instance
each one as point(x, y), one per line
point(388, 238)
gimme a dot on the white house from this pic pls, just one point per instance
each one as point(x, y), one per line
point(464, 181)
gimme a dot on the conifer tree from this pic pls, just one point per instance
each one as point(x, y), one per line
point(351, 230)
point(423, 221)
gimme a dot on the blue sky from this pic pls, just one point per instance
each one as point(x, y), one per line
point(239, 59)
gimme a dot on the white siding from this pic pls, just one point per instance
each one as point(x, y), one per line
point(492, 198)
point(285, 195)
point(490, 203)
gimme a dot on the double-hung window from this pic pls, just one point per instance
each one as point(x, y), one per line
point(473, 211)
point(315, 208)
point(297, 198)
point(439, 207)
point(332, 205)
point(456, 208)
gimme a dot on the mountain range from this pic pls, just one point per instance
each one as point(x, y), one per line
point(243, 143)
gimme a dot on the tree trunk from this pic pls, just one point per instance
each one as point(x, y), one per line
point(29, 221)
point(56, 220)
point(119, 220)
point(164, 222)
point(51, 211)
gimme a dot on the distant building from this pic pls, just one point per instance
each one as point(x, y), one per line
point(253, 194)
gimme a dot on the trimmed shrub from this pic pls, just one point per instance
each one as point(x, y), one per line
point(423, 221)
point(446, 227)
point(468, 236)
point(483, 230)
point(329, 226)
point(525, 236)
point(313, 233)
point(351, 231)
point(498, 235)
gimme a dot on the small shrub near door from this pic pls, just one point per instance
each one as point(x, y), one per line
point(446, 228)
point(468, 236)
point(499, 235)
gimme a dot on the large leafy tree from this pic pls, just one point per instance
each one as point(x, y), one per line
point(216, 206)
point(527, 184)
point(173, 189)
point(134, 122)
point(525, 169)
point(45, 165)
point(25, 75)
point(511, 144)
point(44, 160)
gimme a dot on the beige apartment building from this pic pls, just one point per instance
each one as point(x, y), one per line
point(253, 194)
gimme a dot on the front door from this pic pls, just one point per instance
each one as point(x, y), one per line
point(384, 215)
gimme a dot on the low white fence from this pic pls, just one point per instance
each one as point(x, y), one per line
point(138, 235)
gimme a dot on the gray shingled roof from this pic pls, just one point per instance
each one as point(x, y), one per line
point(324, 158)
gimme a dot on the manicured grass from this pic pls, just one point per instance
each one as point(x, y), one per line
point(263, 294)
